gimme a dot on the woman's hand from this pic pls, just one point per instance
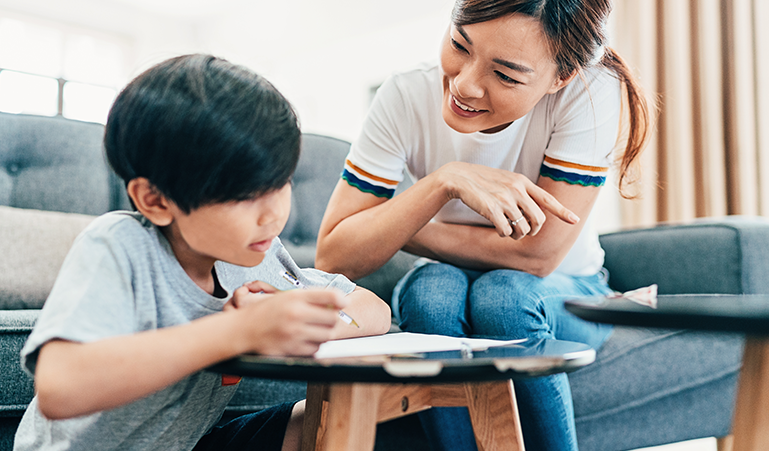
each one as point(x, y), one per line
point(512, 202)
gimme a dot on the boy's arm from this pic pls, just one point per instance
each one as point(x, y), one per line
point(370, 312)
point(74, 379)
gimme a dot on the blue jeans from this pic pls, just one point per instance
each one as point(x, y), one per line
point(438, 298)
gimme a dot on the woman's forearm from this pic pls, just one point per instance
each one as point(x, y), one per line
point(481, 248)
point(359, 234)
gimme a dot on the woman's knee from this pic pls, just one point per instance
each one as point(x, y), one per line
point(508, 303)
point(434, 300)
point(505, 289)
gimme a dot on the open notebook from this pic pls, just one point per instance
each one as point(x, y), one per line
point(403, 343)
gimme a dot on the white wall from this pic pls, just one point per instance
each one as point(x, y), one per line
point(323, 55)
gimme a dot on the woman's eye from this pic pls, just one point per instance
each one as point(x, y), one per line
point(458, 46)
point(507, 79)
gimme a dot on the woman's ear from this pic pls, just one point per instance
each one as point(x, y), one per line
point(150, 202)
point(560, 83)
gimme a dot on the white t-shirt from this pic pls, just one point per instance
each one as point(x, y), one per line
point(567, 136)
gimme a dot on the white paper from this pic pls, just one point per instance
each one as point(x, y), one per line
point(403, 343)
point(644, 296)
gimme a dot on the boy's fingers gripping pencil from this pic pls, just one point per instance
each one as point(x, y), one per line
point(299, 285)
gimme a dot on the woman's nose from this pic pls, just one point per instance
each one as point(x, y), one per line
point(468, 82)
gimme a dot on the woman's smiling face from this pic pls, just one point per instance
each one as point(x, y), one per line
point(494, 73)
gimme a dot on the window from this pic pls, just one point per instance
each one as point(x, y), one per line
point(51, 69)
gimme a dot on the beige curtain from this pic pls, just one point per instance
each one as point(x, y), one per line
point(707, 63)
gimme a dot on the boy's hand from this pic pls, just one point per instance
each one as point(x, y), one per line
point(248, 293)
point(293, 322)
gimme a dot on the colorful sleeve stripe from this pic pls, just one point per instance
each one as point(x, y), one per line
point(367, 182)
point(573, 173)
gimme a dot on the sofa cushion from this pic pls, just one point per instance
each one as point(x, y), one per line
point(53, 163)
point(680, 384)
point(15, 326)
point(710, 255)
point(33, 245)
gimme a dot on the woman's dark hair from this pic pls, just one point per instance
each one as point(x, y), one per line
point(203, 130)
point(576, 34)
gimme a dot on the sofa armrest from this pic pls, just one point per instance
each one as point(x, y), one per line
point(18, 389)
point(714, 255)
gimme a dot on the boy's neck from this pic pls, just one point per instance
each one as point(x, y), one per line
point(199, 268)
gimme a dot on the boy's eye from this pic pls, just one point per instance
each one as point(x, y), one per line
point(458, 46)
point(507, 79)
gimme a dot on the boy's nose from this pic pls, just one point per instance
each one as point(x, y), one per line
point(275, 208)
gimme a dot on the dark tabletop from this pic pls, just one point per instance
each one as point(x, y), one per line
point(527, 359)
point(747, 314)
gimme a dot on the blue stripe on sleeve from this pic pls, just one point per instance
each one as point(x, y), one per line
point(365, 186)
point(571, 177)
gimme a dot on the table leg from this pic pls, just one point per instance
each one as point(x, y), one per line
point(751, 417)
point(352, 417)
point(315, 417)
point(343, 417)
point(494, 414)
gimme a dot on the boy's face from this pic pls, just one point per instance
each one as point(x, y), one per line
point(234, 232)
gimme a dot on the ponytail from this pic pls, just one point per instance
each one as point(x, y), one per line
point(640, 121)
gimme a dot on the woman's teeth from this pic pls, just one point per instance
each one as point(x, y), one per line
point(464, 107)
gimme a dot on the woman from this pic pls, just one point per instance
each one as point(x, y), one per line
point(511, 136)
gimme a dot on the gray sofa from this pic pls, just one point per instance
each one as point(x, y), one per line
point(646, 387)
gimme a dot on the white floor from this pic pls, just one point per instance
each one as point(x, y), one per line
point(705, 444)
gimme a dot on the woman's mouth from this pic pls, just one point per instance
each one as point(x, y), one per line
point(463, 110)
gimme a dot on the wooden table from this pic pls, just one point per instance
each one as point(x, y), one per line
point(346, 398)
point(748, 314)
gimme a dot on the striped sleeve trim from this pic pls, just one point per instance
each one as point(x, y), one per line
point(367, 182)
point(361, 174)
point(573, 173)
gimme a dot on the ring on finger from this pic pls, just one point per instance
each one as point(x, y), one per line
point(513, 223)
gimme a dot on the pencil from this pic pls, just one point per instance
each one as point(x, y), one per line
point(298, 284)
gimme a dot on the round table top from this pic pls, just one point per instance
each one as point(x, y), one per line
point(744, 313)
point(530, 358)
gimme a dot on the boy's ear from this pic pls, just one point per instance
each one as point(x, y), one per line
point(560, 83)
point(150, 202)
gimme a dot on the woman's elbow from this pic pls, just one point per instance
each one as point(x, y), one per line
point(540, 267)
point(542, 272)
point(339, 265)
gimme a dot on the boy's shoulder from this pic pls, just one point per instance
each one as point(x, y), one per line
point(117, 219)
point(126, 237)
point(119, 226)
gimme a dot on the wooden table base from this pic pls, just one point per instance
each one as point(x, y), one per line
point(343, 416)
point(751, 413)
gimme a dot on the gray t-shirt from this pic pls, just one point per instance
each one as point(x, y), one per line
point(121, 277)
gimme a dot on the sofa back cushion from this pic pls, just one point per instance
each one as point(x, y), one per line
point(317, 173)
point(33, 245)
point(709, 255)
point(52, 163)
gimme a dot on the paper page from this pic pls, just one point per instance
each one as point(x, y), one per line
point(402, 343)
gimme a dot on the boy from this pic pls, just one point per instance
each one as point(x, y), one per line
point(146, 300)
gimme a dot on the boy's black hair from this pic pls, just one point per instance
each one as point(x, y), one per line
point(203, 130)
